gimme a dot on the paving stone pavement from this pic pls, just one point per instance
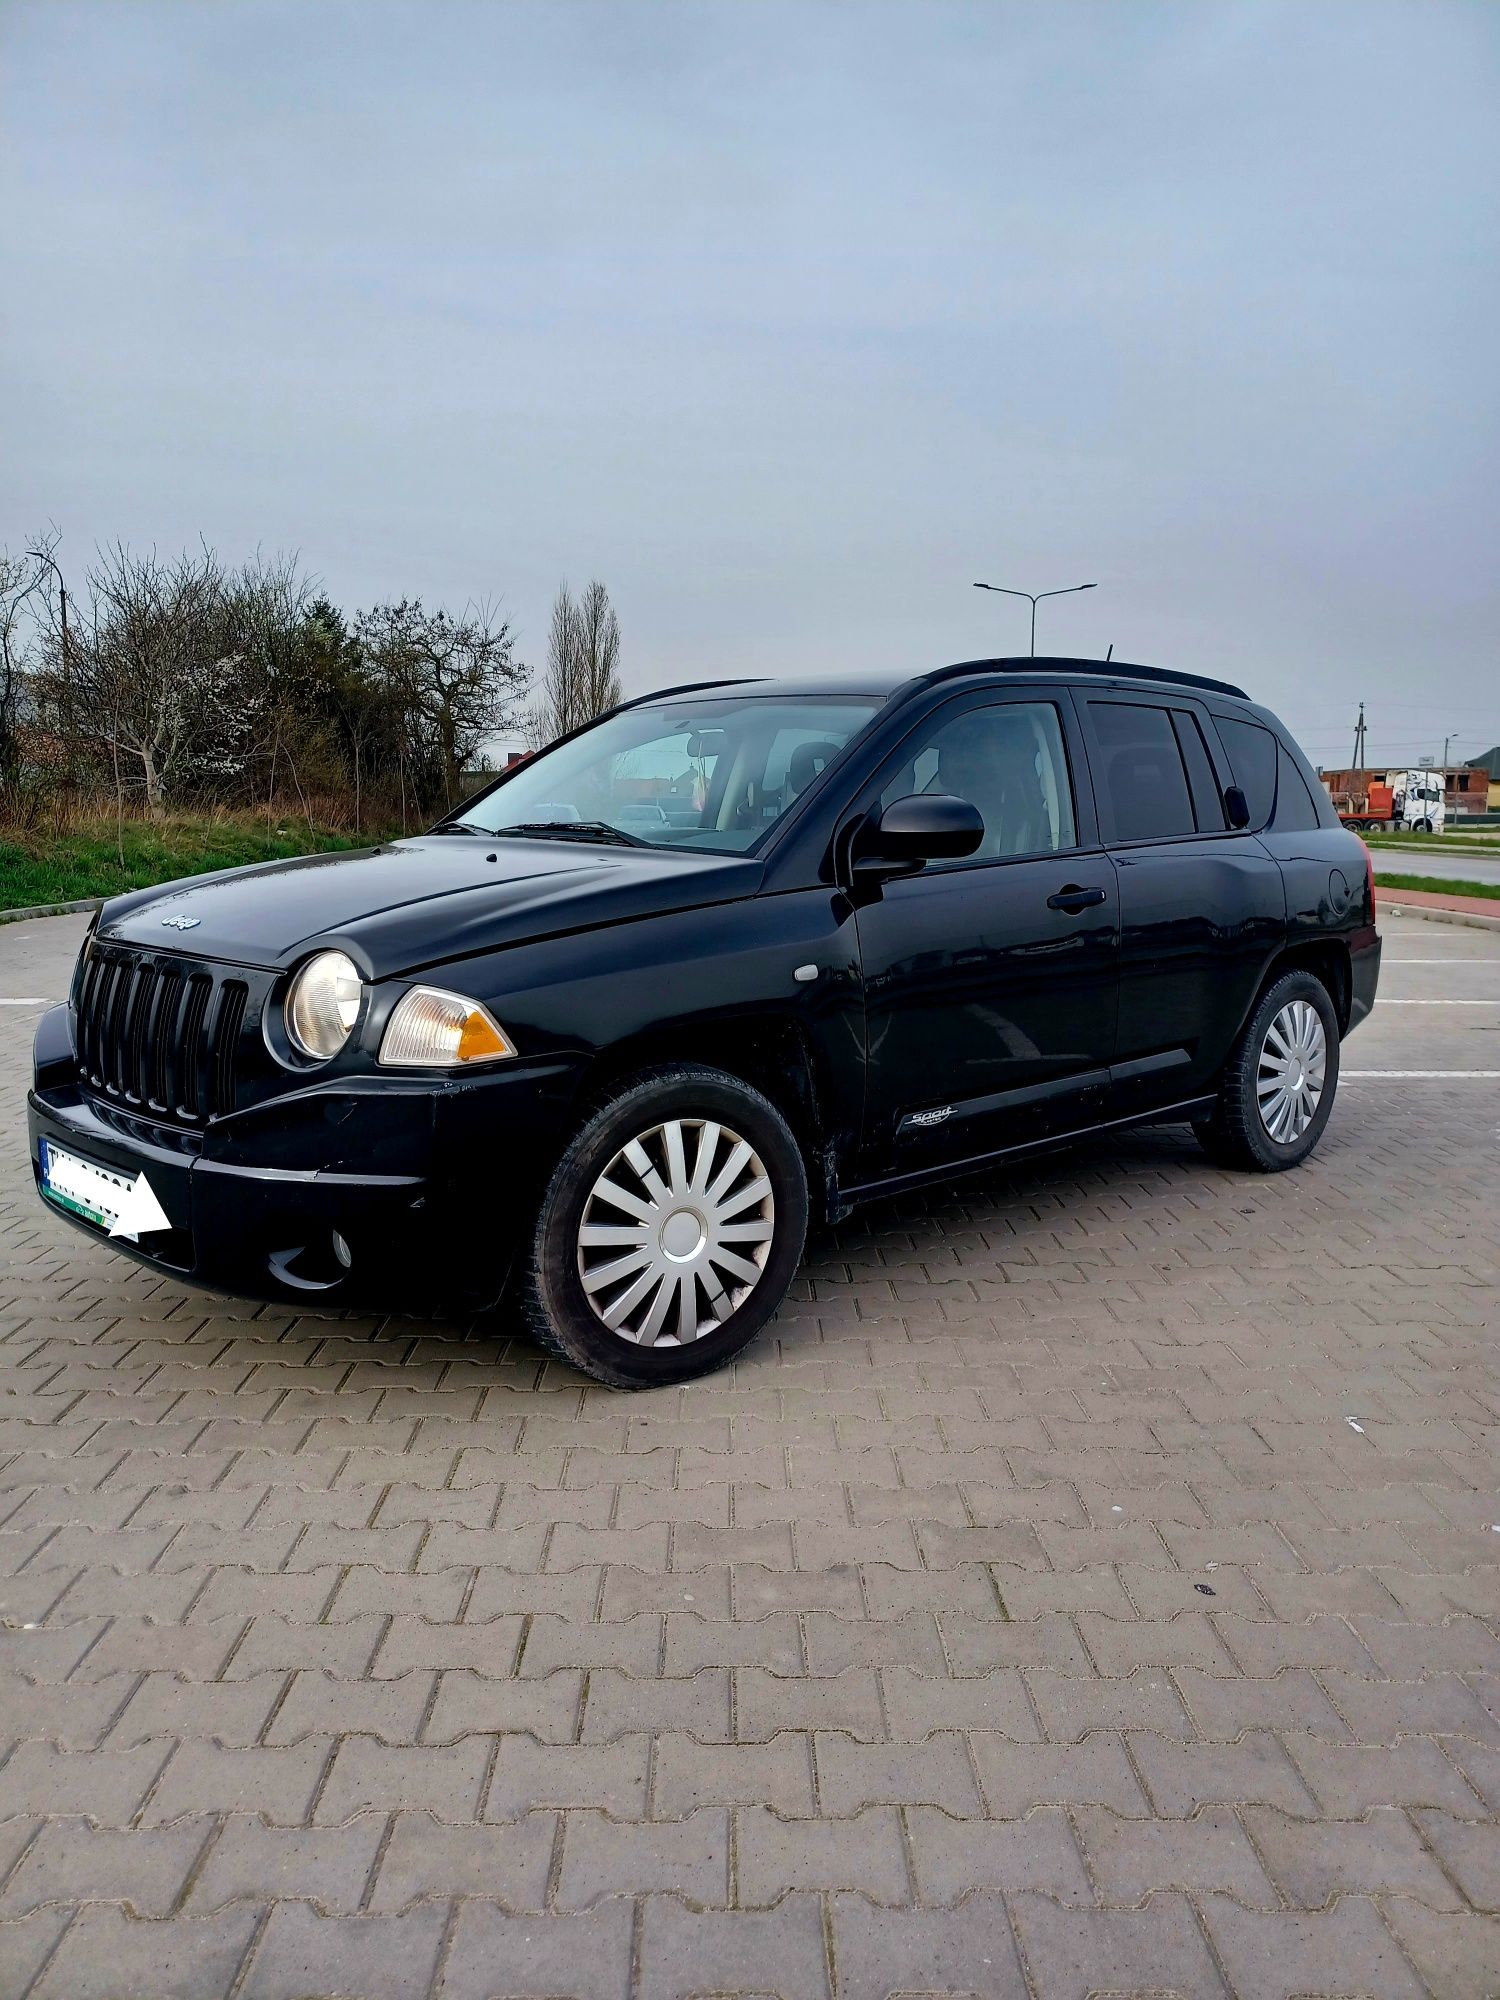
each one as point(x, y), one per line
point(1089, 1585)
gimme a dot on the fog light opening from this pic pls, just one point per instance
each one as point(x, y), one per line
point(311, 1267)
point(342, 1251)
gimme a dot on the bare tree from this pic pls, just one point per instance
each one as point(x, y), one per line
point(598, 651)
point(129, 685)
point(583, 654)
point(173, 677)
point(450, 683)
point(557, 708)
point(23, 579)
point(188, 680)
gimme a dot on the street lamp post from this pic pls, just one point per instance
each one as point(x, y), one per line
point(1034, 598)
point(41, 555)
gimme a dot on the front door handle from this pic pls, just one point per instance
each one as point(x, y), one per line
point(1072, 899)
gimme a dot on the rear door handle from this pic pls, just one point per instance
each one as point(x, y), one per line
point(1072, 898)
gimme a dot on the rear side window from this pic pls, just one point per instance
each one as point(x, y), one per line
point(1143, 777)
point(1295, 811)
point(1253, 753)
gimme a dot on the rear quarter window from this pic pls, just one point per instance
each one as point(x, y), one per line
point(1295, 810)
point(1253, 753)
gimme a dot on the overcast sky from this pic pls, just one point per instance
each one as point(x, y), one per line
point(790, 321)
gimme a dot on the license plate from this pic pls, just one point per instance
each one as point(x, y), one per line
point(98, 1194)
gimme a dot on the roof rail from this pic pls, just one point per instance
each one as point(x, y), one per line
point(690, 687)
point(1119, 670)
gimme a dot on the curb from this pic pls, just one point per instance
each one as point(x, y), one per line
point(53, 910)
point(1428, 915)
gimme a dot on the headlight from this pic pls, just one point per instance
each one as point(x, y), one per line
point(430, 1029)
point(322, 1005)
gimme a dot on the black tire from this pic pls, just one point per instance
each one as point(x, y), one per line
point(1235, 1133)
point(555, 1306)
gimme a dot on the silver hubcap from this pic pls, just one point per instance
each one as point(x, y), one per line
point(1289, 1082)
point(676, 1232)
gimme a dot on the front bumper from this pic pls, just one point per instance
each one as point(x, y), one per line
point(430, 1185)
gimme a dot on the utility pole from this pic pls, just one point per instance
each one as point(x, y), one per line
point(1359, 740)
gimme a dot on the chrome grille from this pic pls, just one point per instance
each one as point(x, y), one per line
point(158, 1035)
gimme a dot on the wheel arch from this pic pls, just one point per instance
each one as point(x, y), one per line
point(1327, 959)
point(769, 1052)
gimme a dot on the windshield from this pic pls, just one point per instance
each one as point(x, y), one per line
point(713, 774)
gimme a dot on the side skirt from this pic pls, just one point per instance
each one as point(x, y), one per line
point(849, 1198)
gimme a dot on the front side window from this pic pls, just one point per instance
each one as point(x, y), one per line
point(1008, 761)
point(1143, 778)
point(713, 773)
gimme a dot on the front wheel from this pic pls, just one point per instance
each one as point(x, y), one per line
point(1278, 1085)
point(670, 1230)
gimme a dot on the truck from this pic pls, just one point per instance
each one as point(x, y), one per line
point(1401, 802)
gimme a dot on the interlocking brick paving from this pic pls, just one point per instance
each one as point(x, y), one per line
point(1023, 1615)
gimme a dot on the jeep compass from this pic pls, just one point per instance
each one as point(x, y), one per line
point(733, 956)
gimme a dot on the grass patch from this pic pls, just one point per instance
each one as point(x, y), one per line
point(1439, 886)
point(63, 867)
point(1436, 843)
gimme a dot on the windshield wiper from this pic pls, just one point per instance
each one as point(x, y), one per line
point(572, 829)
point(461, 826)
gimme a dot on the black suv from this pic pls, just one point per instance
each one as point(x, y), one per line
point(734, 952)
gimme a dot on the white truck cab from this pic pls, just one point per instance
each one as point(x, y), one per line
point(1419, 806)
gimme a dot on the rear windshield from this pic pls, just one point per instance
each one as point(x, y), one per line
point(708, 774)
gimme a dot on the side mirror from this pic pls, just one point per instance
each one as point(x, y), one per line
point(1236, 807)
point(927, 826)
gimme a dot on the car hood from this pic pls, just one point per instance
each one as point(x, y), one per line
point(412, 903)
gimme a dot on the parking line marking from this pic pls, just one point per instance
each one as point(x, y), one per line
point(1437, 1003)
point(1441, 961)
point(1349, 1075)
point(36, 1000)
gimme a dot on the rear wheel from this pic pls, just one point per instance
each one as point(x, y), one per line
point(1277, 1090)
point(670, 1230)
